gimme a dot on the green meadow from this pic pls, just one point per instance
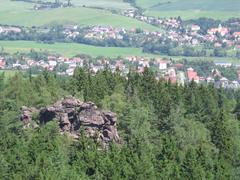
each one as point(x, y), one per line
point(71, 49)
point(106, 4)
point(194, 14)
point(109, 4)
point(191, 9)
point(22, 14)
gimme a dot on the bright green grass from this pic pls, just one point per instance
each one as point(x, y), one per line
point(20, 13)
point(194, 14)
point(208, 5)
point(71, 49)
point(109, 4)
point(106, 4)
point(191, 9)
point(214, 59)
point(147, 4)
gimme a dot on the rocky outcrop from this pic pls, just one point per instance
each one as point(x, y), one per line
point(73, 115)
point(27, 116)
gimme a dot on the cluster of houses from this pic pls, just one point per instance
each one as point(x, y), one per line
point(172, 29)
point(71, 31)
point(170, 22)
point(41, 5)
point(175, 73)
point(10, 29)
point(220, 36)
point(2, 63)
point(189, 34)
point(105, 32)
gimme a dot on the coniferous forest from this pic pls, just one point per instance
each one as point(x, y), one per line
point(168, 131)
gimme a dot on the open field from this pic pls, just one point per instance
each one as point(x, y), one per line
point(22, 14)
point(111, 4)
point(191, 9)
point(106, 4)
point(71, 49)
point(194, 14)
point(214, 59)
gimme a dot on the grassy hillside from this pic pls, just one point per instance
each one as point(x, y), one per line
point(113, 4)
point(188, 9)
point(71, 49)
point(20, 13)
point(195, 14)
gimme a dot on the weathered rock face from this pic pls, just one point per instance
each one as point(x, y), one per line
point(27, 115)
point(73, 115)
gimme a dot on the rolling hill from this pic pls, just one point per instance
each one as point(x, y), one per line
point(188, 9)
point(21, 13)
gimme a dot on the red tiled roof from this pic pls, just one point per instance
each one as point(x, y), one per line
point(192, 75)
point(236, 34)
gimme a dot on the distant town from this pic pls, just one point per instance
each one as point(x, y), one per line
point(165, 69)
point(194, 38)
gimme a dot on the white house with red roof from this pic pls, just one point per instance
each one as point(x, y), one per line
point(163, 64)
point(195, 27)
point(236, 34)
point(222, 30)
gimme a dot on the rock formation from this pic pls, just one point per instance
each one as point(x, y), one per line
point(27, 115)
point(73, 115)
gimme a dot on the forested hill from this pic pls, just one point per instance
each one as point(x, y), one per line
point(168, 131)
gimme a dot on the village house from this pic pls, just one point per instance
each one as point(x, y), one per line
point(195, 27)
point(217, 45)
point(8, 29)
point(223, 64)
point(70, 71)
point(163, 64)
point(140, 69)
point(70, 27)
point(194, 42)
point(2, 63)
point(192, 75)
point(222, 30)
point(52, 65)
point(52, 58)
point(224, 82)
point(16, 65)
point(30, 62)
point(130, 13)
point(131, 58)
point(105, 32)
point(144, 63)
point(120, 65)
point(179, 66)
point(210, 80)
point(236, 34)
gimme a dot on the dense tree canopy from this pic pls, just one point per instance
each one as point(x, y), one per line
point(168, 131)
